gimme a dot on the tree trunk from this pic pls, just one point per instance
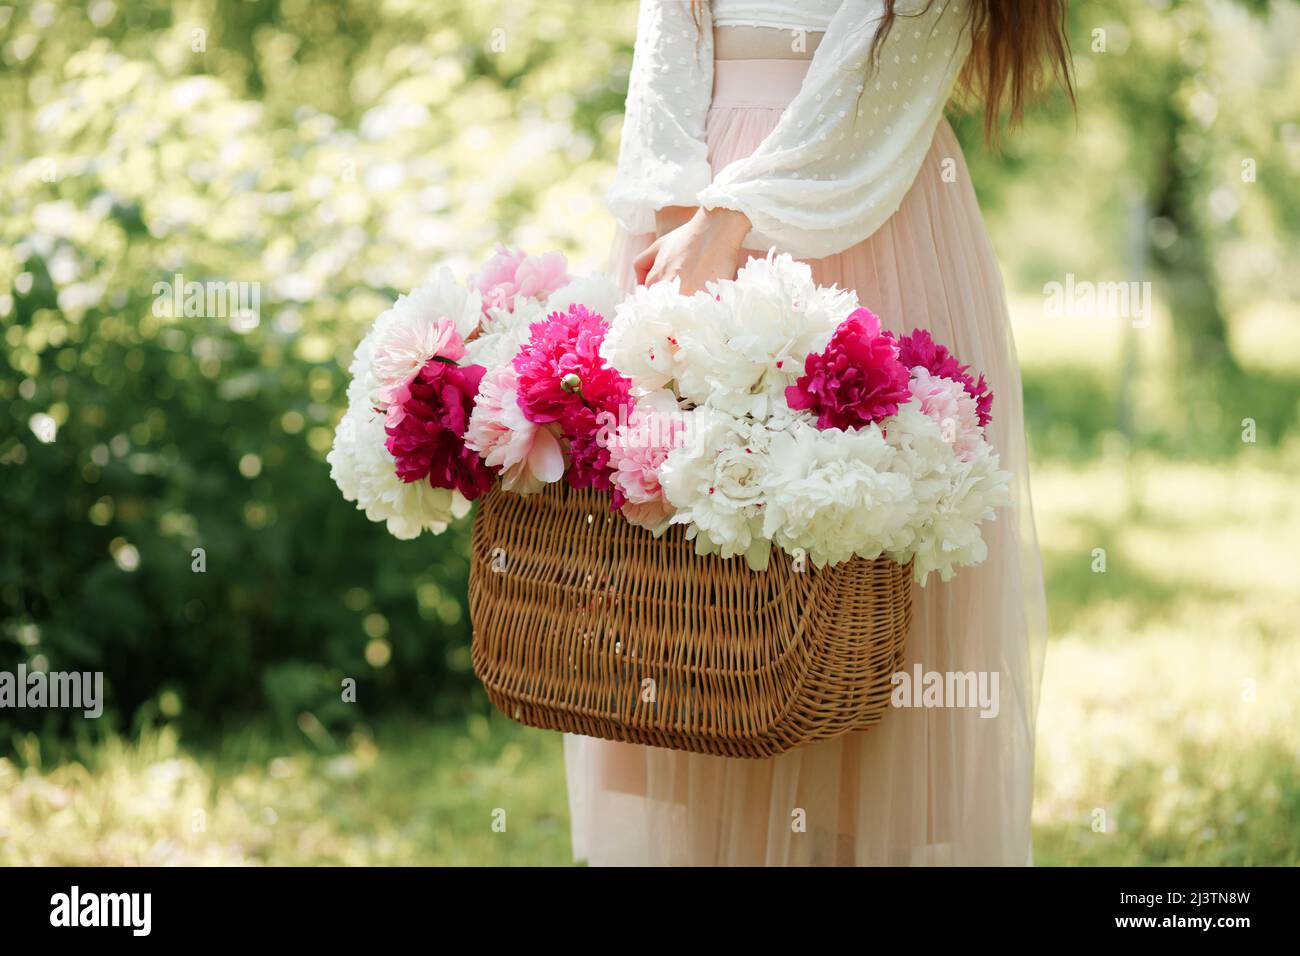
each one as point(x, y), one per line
point(1184, 264)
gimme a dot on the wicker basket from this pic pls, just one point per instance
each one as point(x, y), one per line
point(587, 624)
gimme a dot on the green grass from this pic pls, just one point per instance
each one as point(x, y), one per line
point(411, 793)
point(1169, 696)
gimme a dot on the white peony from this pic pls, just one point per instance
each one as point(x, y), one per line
point(362, 384)
point(712, 367)
point(953, 496)
point(598, 293)
point(833, 494)
point(716, 484)
point(503, 334)
point(367, 474)
point(952, 537)
point(752, 335)
point(922, 454)
point(644, 332)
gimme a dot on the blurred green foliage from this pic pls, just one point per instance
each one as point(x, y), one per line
point(333, 153)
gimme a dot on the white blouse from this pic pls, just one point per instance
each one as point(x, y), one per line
point(844, 152)
point(812, 15)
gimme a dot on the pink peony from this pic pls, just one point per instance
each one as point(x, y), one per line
point(426, 429)
point(526, 455)
point(948, 403)
point(857, 379)
point(561, 371)
point(562, 378)
point(509, 274)
point(638, 449)
point(920, 349)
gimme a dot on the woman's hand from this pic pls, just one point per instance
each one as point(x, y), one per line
point(669, 218)
point(705, 248)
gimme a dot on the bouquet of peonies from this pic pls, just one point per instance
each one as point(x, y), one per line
point(765, 410)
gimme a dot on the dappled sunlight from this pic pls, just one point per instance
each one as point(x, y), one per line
point(1188, 742)
point(1181, 541)
point(410, 795)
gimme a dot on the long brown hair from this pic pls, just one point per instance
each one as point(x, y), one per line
point(1017, 47)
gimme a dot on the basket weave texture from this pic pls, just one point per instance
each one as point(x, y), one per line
point(587, 624)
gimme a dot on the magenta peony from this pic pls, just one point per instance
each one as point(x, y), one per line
point(589, 459)
point(919, 348)
point(426, 429)
point(515, 273)
point(857, 379)
point(561, 371)
point(562, 378)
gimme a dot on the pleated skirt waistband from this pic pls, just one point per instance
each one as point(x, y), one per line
point(762, 84)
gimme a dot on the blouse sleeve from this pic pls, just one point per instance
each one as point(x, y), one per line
point(662, 160)
point(849, 145)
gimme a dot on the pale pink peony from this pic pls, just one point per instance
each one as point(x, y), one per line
point(405, 349)
point(948, 402)
point(526, 455)
point(515, 273)
point(637, 449)
point(919, 348)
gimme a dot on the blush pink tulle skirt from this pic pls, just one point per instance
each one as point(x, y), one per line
point(927, 786)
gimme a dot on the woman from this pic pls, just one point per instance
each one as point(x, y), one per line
point(817, 128)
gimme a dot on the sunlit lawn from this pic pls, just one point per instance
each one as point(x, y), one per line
point(1170, 716)
point(414, 793)
point(1169, 730)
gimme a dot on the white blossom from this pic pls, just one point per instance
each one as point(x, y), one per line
point(366, 473)
point(716, 484)
point(834, 494)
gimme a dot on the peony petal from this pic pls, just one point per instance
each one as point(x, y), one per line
point(758, 554)
point(546, 459)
